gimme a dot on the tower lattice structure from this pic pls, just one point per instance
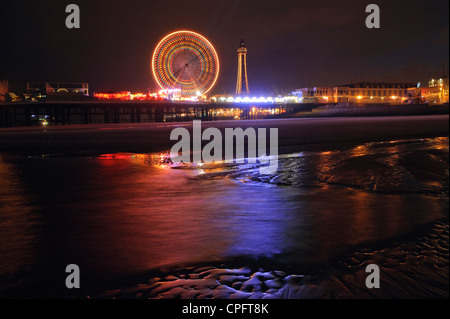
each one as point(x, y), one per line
point(242, 80)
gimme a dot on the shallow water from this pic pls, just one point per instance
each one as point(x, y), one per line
point(123, 214)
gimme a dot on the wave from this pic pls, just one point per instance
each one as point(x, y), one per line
point(399, 166)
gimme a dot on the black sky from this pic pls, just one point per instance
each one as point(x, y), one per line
point(291, 44)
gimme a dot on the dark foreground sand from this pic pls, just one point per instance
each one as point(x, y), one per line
point(410, 268)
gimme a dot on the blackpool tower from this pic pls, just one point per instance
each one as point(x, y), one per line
point(242, 80)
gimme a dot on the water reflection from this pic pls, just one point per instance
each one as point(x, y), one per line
point(124, 213)
point(161, 216)
point(19, 225)
point(360, 150)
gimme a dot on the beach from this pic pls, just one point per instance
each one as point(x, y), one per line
point(348, 193)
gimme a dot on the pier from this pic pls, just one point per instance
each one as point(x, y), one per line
point(115, 112)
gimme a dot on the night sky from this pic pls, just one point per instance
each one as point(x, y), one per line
point(291, 44)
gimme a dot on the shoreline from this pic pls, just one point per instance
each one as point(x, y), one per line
point(293, 134)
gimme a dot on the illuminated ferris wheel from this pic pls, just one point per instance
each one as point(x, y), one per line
point(187, 61)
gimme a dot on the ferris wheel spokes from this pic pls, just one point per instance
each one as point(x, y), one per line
point(185, 60)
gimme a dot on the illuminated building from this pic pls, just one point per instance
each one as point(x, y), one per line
point(223, 98)
point(372, 93)
point(123, 96)
point(435, 93)
point(170, 94)
point(242, 80)
point(357, 93)
point(314, 94)
point(126, 96)
point(438, 91)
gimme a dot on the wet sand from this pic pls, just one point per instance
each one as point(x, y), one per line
point(293, 134)
point(412, 266)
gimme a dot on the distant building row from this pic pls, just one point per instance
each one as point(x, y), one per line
point(56, 90)
point(436, 92)
point(37, 91)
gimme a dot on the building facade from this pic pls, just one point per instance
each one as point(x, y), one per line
point(372, 93)
point(357, 93)
point(437, 91)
